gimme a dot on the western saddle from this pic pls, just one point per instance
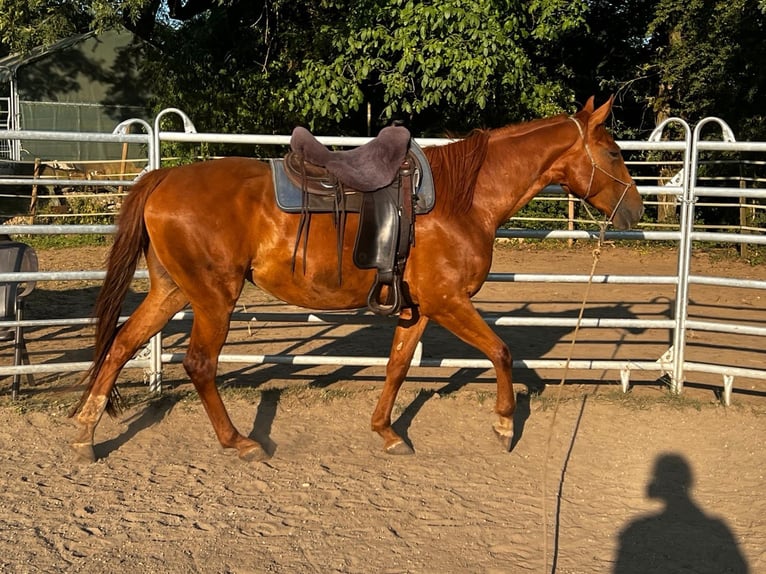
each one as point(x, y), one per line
point(380, 180)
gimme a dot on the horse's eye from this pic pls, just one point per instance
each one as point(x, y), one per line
point(614, 153)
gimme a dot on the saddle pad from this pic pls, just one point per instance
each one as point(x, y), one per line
point(289, 197)
point(424, 181)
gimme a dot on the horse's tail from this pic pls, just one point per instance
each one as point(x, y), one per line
point(130, 242)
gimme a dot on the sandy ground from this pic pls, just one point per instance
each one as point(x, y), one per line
point(597, 482)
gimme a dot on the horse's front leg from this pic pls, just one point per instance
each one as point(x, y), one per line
point(408, 331)
point(462, 318)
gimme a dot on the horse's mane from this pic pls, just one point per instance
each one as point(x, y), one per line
point(524, 128)
point(455, 167)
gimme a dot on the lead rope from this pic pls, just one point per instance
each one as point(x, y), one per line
point(596, 257)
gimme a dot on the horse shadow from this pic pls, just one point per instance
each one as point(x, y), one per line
point(437, 343)
point(681, 537)
point(155, 411)
point(525, 342)
point(64, 343)
point(59, 343)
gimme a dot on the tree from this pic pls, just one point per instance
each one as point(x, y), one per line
point(448, 63)
point(708, 56)
point(266, 65)
point(451, 64)
point(248, 65)
point(609, 56)
point(27, 24)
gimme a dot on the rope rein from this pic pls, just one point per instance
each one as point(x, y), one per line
point(596, 257)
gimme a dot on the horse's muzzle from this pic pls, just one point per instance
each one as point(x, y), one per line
point(629, 209)
point(628, 214)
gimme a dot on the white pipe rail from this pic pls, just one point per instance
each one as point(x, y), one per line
point(672, 363)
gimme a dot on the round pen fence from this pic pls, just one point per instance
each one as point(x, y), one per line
point(666, 170)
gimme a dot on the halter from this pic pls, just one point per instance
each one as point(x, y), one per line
point(594, 167)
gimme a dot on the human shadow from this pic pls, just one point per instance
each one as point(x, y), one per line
point(681, 537)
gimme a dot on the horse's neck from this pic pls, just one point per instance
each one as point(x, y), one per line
point(518, 165)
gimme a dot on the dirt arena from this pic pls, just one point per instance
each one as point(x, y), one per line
point(598, 481)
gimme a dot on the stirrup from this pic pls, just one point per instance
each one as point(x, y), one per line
point(394, 296)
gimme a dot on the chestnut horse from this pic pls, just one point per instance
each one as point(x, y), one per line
point(207, 227)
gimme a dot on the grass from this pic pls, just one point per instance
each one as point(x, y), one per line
point(39, 242)
point(717, 252)
point(720, 252)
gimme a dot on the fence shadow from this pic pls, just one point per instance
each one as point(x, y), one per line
point(444, 344)
point(375, 340)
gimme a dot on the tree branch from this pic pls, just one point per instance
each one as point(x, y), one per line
point(186, 10)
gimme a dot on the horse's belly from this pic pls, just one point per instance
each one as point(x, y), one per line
point(316, 295)
point(320, 285)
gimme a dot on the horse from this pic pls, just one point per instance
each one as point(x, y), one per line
point(205, 228)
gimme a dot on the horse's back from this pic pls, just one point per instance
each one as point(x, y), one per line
point(220, 180)
point(222, 215)
point(213, 193)
point(207, 211)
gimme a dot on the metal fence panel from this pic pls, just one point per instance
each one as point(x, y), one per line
point(685, 188)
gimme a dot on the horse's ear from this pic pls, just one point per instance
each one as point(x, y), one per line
point(589, 105)
point(598, 117)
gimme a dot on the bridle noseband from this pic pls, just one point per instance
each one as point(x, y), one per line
point(594, 167)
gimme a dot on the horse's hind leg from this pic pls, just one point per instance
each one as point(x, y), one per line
point(161, 303)
point(201, 362)
point(408, 332)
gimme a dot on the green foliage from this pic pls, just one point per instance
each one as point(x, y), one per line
point(610, 55)
point(467, 60)
point(440, 65)
point(63, 241)
point(27, 24)
point(229, 73)
point(708, 56)
point(541, 213)
point(82, 208)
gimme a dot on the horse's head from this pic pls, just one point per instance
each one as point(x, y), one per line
point(595, 171)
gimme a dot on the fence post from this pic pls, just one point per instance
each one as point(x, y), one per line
point(685, 248)
point(155, 161)
point(570, 216)
point(684, 254)
point(744, 211)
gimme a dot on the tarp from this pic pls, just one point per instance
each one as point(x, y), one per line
point(87, 83)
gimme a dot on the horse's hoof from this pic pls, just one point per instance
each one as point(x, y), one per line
point(399, 447)
point(504, 433)
point(253, 453)
point(84, 451)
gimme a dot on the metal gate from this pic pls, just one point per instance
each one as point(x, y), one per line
point(685, 187)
